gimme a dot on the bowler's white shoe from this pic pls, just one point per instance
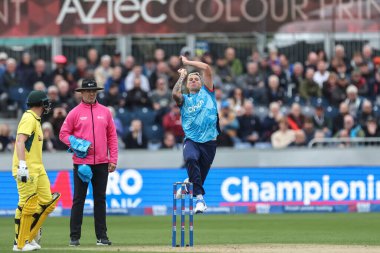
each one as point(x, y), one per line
point(200, 206)
point(27, 247)
point(35, 244)
point(178, 195)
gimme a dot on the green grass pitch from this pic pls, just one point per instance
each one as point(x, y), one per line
point(340, 229)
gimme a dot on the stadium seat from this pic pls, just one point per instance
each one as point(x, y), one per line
point(261, 112)
point(284, 110)
point(331, 112)
point(154, 133)
point(308, 111)
point(146, 115)
point(125, 117)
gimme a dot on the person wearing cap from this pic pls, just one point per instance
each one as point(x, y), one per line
point(200, 124)
point(90, 122)
point(35, 198)
point(60, 62)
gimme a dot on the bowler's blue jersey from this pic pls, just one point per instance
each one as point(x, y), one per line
point(199, 116)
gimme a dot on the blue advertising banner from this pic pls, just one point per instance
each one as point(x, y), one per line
point(228, 190)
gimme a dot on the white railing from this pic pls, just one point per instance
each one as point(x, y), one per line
point(344, 142)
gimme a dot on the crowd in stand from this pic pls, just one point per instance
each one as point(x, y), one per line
point(264, 101)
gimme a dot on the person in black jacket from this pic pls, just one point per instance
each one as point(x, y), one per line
point(249, 124)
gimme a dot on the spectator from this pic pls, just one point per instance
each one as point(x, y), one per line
point(3, 60)
point(54, 96)
point(329, 86)
point(161, 71)
point(339, 94)
point(270, 122)
point(299, 139)
point(375, 88)
point(168, 141)
point(129, 64)
point(368, 76)
point(224, 71)
point(277, 71)
point(312, 61)
point(283, 137)
point(148, 68)
point(93, 59)
point(116, 78)
point(253, 82)
point(309, 88)
point(137, 74)
point(137, 97)
point(81, 69)
point(11, 79)
point(136, 138)
point(321, 75)
point(50, 142)
point(249, 125)
point(161, 96)
point(39, 86)
point(60, 69)
point(113, 97)
point(64, 94)
point(350, 129)
point(228, 125)
point(360, 83)
point(6, 139)
point(237, 101)
point(275, 93)
point(38, 74)
point(366, 113)
point(353, 101)
point(59, 116)
point(104, 71)
point(367, 57)
point(339, 119)
point(340, 54)
point(371, 128)
point(174, 65)
point(296, 78)
point(116, 60)
point(25, 68)
point(321, 122)
point(159, 55)
point(321, 55)
point(295, 118)
point(172, 123)
point(232, 62)
point(285, 66)
point(308, 132)
point(357, 60)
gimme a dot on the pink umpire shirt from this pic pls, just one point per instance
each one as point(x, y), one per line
point(92, 122)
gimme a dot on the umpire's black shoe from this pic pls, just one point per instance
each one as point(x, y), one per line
point(103, 242)
point(74, 243)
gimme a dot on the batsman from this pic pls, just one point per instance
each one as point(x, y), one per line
point(35, 198)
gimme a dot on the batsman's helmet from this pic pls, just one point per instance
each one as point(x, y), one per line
point(38, 98)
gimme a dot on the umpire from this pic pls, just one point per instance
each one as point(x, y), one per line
point(90, 133)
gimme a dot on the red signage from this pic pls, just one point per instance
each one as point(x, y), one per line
point(20, 18)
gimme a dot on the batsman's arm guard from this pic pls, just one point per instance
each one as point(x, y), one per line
point(39, 218)
point(26, 219)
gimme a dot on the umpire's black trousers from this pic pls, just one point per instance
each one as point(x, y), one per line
point(99, 186)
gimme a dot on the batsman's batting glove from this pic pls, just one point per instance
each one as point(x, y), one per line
point(22, 172)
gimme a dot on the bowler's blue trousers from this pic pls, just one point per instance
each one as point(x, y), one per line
point(198, 159)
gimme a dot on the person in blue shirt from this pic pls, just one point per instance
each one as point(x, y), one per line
point(199, 116)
